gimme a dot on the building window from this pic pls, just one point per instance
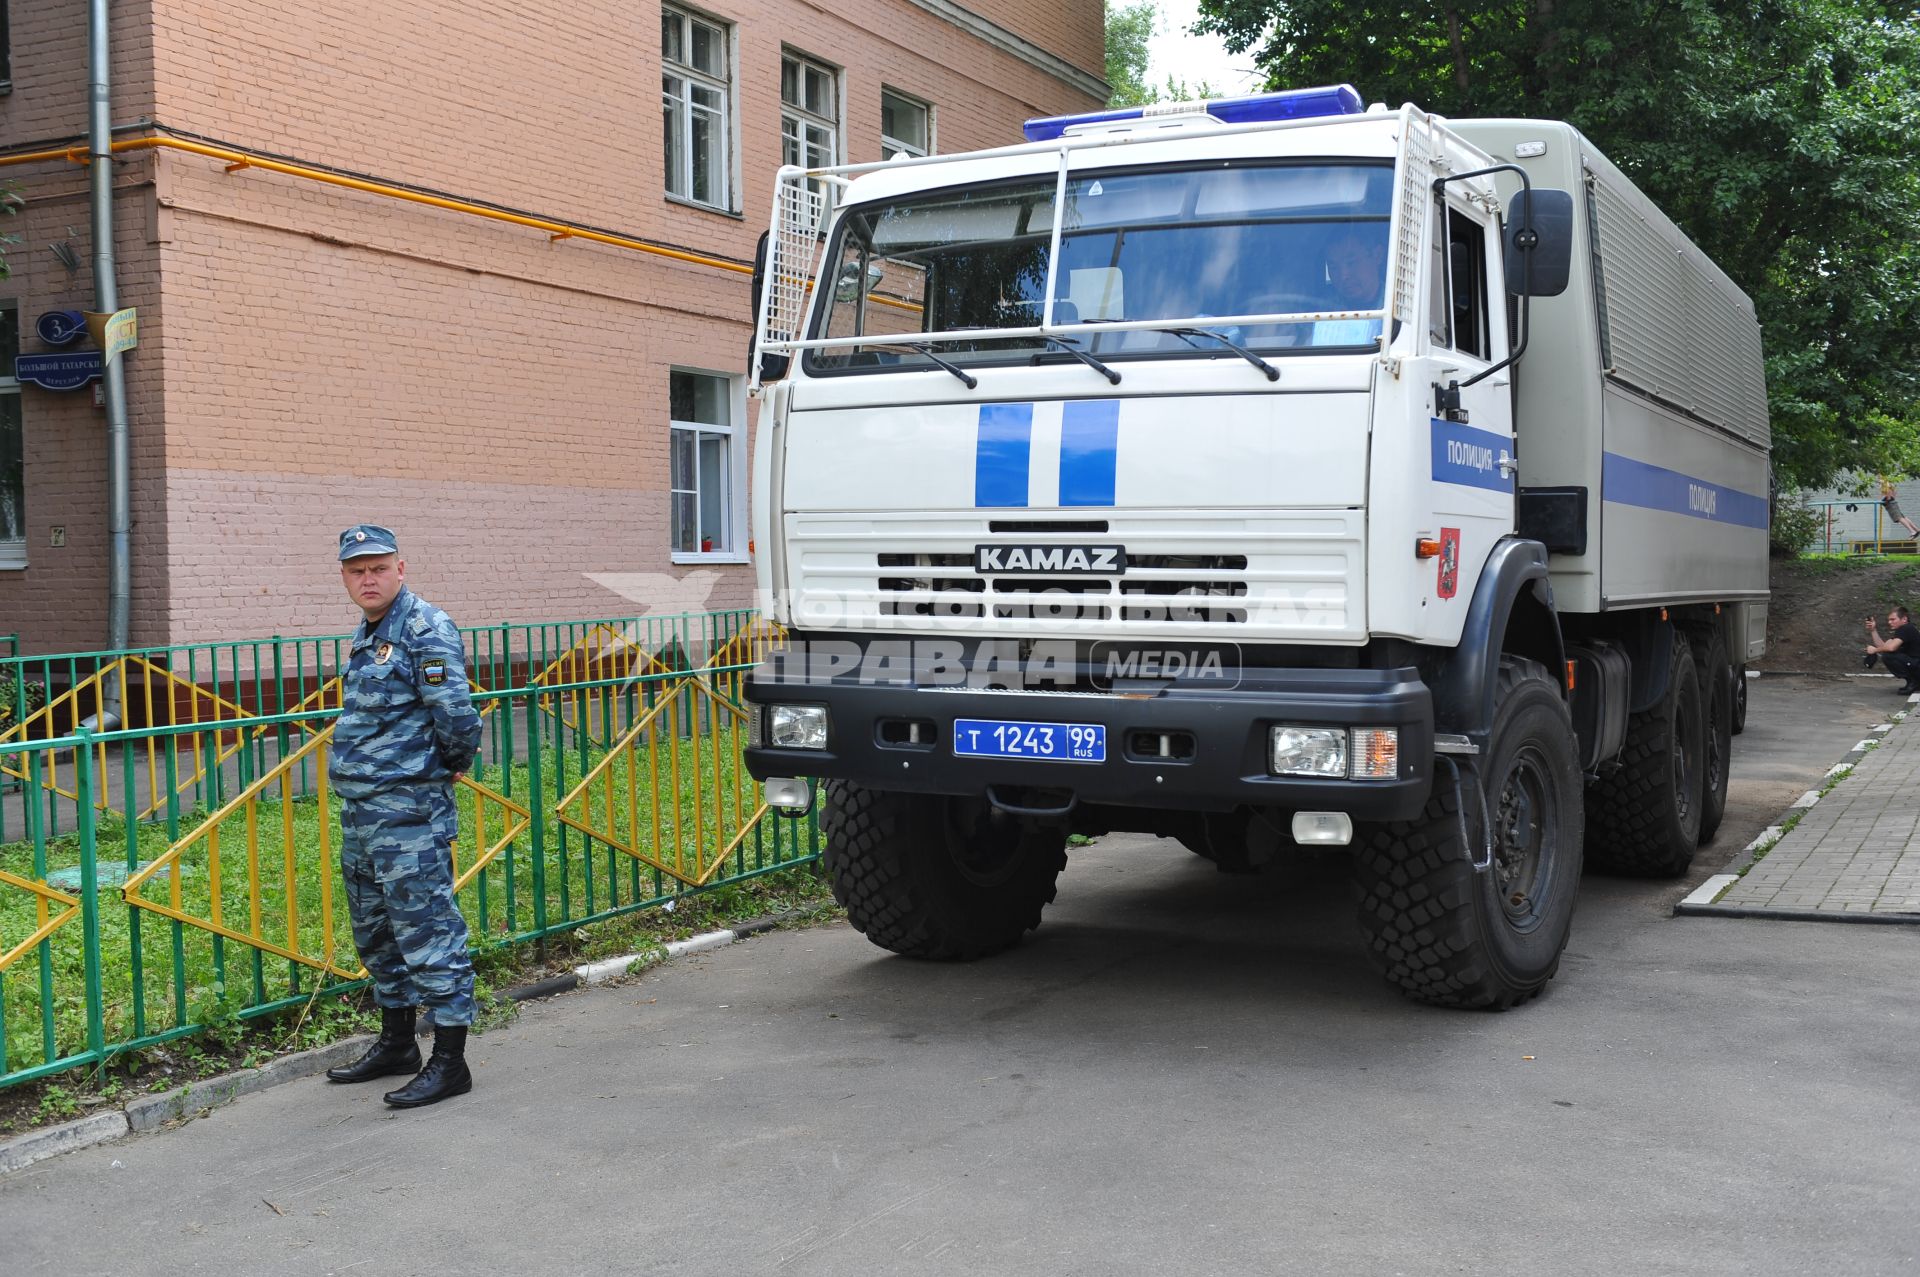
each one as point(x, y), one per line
point(809, 112)
point(905, 125)
point(13, 473)
point(705, 512)
point(6, 53)
point(695, 89)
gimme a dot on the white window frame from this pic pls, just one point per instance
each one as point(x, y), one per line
point(689, 76)
point(794, 116)
point(735, 475)
point(13, 553)
point(891, 146)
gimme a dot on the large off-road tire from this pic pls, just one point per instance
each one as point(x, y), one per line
point(1716, 683)
point(1448, 934)
point(936, 877)
point(1643, 818)
point(1739, 699)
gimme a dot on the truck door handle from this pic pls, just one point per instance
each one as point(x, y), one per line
point(1508, 464)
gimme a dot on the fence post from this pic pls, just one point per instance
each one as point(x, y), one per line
point(89, 899)
point(537, 807)
point(279, 694)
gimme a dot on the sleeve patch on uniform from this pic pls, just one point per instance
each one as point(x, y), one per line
point(433, 671)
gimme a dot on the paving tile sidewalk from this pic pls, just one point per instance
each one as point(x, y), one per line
point(1853, 856)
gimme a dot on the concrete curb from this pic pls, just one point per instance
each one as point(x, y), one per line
point(1700, 901)
point(154, 1112)
point(150, 1112)
point(24, 1150)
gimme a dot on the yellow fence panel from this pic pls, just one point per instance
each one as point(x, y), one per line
point(46, 921)
point(276, 889)
point(163, 699)
point(673, 791)
point(603, 653)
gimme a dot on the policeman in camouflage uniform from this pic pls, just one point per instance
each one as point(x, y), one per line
point(407, 730)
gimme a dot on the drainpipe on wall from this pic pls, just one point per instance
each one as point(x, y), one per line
point(106, 299)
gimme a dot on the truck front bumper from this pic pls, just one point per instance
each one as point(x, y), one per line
point(902, 738)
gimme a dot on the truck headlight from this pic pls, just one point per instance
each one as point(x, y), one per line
point(797, 726)
point(1308, 751)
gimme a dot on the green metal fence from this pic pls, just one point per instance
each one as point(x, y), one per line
point(184, 868)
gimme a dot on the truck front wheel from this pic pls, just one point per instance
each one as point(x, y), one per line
point(1451, 935)
point(935, 877)
point(1643, 820)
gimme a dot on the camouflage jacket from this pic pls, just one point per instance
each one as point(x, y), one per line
point(407, 714)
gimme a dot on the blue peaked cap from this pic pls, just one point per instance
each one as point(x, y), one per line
point(363, 539)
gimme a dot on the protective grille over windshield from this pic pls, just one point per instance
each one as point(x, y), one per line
point(790, 257)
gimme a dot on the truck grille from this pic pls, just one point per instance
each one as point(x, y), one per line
point(1263, 575)
point(1179, 596)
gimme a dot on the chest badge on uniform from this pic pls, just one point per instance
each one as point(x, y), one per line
point(434, 672)
point(384, 654)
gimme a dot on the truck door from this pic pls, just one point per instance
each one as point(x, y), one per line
point(1473, 460)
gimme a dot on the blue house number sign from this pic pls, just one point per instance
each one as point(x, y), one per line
point(61, 327)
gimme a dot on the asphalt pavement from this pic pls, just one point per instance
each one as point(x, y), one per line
point(1181, 1072)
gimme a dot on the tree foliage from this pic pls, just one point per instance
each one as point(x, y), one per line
point(1777, 133)
point(1129, 27)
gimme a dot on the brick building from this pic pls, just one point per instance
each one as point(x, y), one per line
point(541, 418)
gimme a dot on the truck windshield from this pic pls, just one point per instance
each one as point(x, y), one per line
point(1271, 257)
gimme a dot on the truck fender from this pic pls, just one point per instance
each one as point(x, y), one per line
point(1512, 612)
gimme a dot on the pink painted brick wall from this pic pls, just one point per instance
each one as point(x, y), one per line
point(313, 357)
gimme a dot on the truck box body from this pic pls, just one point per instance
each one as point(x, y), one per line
point(1656, 345)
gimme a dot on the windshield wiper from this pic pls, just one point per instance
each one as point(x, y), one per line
point(965, 376)
point(1072, 348)
point(1188, 334)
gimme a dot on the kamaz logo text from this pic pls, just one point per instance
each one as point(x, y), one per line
point(1005, 559)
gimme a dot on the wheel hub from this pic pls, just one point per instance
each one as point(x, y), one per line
point(1522, 820)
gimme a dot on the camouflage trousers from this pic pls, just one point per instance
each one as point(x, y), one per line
point(396, 856)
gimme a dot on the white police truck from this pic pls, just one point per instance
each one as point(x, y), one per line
point(1276, 475)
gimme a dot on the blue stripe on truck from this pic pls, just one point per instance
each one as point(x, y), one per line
point(1470, 457)
point(1625, 481)
point(1003, 454)
point(1089, 451)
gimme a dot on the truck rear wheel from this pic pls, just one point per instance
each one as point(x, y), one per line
point(1739, 699)
point(935, 877)
point(1448, 934)
point(1643, 820)
point(1717, 700)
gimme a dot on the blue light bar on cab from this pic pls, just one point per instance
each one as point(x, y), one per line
point(1291, 104)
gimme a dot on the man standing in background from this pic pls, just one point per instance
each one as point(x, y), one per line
point(407, 731)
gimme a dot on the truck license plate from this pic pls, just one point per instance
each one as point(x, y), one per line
point(1046, 742)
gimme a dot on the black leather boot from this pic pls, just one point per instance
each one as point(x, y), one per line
point(395, 1051)
point(445, 1075)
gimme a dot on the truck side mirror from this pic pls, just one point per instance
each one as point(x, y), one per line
point(1539, 243)
point(772, 367)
